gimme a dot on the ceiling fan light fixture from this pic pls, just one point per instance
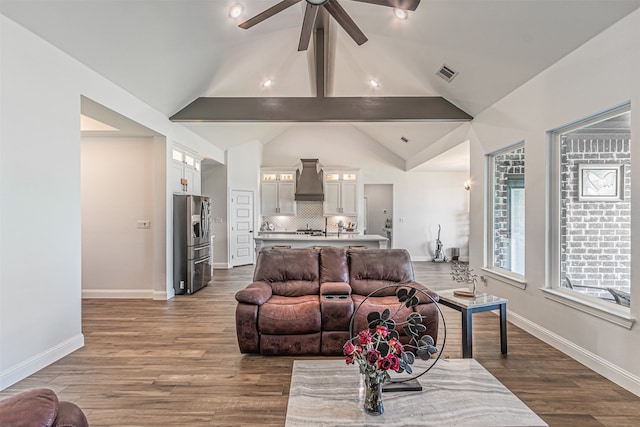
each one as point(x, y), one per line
point(334, 9)
point(235, 11)
point(400, 13)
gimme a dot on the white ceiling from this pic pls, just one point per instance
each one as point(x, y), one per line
point(170, 52)
point(124, 127)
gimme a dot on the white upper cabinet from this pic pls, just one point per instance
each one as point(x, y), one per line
point(185, 172)
point(340, 192)
point(278, 192)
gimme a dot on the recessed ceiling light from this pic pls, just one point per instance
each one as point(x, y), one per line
point(267, 83)
point(235, 11)
point(374, 83)
point(400, 13)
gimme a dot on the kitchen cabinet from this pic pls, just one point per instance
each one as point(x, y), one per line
point(185, 173)
point(278, 192)
point(340, 192)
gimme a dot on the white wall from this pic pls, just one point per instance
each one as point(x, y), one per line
point(599, 75)
point(243, 166)
point(40, 205)
point(40, 197)
point(117, 190)
point(422, 200)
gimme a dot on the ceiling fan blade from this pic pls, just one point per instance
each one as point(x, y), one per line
point(345, 21)
point(268, 13)
point(308, 22)
point(400, 4)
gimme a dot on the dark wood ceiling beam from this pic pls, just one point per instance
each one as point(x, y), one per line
point(332, 109)
point(323, 108)
point(321, 78)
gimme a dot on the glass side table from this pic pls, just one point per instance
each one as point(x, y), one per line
point(469, 305)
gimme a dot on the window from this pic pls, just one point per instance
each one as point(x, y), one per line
point(590, 248)
point(515, 223)
point(506, 231)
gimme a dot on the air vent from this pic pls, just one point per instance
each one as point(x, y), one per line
point(447, 73)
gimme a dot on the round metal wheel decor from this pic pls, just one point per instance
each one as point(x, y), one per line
point(421, 346)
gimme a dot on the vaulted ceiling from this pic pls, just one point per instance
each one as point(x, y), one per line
point(169, 53)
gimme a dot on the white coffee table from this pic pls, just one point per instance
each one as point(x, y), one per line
point(456, 392)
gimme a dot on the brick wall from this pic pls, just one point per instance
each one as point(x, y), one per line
point(595, 235)
point(505, 165)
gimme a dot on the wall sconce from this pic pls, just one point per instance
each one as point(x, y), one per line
point(467, 185)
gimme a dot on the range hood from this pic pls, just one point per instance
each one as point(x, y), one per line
point(309, 182)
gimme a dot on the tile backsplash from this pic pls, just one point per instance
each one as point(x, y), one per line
point(310, 213)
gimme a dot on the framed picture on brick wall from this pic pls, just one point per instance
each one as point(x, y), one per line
point(600, 182)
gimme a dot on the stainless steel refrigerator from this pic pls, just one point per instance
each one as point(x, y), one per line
point(192, 251)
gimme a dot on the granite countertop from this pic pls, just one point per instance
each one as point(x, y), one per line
point(305, 237)
point(289, 232)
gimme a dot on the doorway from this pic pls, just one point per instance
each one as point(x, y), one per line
point(241, 233)
point(379, 210)
point(123, 206)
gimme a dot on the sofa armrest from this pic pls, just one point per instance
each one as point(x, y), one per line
point(335, 288)
point(256, 293)
point(421, 297)
point(40, 407)
point(70, 415)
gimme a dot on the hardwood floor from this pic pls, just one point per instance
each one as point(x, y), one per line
point(152, 363)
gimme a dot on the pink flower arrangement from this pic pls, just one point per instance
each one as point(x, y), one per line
point(377, 352)
point(378, 349)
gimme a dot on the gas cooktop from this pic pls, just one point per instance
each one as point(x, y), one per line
point(310, 232)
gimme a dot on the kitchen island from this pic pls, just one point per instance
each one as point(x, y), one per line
point(307, 241)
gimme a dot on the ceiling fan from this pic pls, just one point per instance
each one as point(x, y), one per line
point(334, 8)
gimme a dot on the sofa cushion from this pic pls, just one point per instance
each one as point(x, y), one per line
point(289, 272)
point(333, 265)
point(375, 268)
point(290, 315)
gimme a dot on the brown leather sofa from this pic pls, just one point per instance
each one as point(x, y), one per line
point(301, 300)
point(39, 407)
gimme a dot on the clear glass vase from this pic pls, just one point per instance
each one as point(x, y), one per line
point(373, 394)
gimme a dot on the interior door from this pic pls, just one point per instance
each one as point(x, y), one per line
point(241, 247)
